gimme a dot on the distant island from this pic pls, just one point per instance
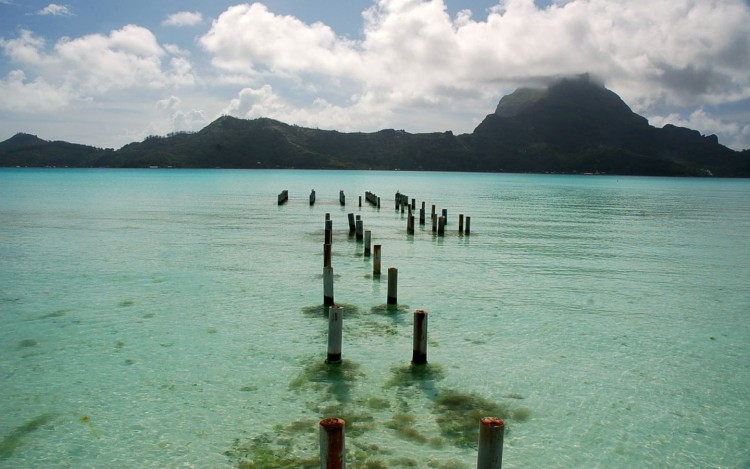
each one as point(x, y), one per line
point(573, 126)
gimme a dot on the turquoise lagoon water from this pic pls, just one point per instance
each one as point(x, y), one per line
point(171, 318)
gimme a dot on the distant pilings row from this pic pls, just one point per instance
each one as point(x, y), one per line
point(439, 222)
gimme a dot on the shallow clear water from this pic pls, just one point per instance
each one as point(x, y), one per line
point(170, 318)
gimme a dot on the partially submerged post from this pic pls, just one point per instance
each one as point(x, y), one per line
point(335, 328)
point(468, 225)
point(312, 197)
point(434, 222)
point(360, 200)
point(421, 215)
point(283, 196)
point(376, 262)
point(460, 222)
point(368, 236)
point(410, 223)
point(342, 198)
point(326, 255)
point(360, 229)
point(328, 286)
point(445, 215)
point(491, 434)
point(441, 226)
point(332, 444)
point(419, 354)
point(352, 226)
point(329, 232)
point(392, 286)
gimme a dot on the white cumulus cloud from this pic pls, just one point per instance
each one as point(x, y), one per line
point(183, 18)
point(55, 10)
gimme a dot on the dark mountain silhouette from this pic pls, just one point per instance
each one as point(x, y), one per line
point(573, 126)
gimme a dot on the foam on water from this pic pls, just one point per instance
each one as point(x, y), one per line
point(171, 318)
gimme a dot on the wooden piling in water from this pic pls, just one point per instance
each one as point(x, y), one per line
point(392, 286)
point(467, 228)
point(460, 222)
point(352, 226)
point(434, 222)
point(376, 261)
point(342, 198)
point(441, 226)
point(312, 197)
point(326, 255)
point(332, 444)
point(491, 434)
point(368, 236)
point(283, 197)
point(360, 230)
point(410, 223)
point(329, 232)
point(419, 354)
point(328, 286)
point(335, 332)
point(421, 216)
point(445, 215)
point(360, 200)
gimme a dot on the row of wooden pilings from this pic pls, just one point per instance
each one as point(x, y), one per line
point(438, 222)
point(332, 434)
point(284, 198)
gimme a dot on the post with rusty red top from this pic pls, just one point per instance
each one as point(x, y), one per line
point(376, 262)
point(368, 237)
point(491, 433)
point(392, 286)
point(419, 355)
point(328, 286)
point(335, 328)
point(326, 255)
point(332, 444)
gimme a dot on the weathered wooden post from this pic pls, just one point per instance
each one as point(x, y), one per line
point(326, 255)
point(421, 215)
point(378, 202)
point(445, 215)
point(392, 286)
point(468, 225)
point(434, 223)
point(342, 198)
point(329, 232)
point(413, 203)
point(460, 222)
point(433, 209)
point(360, 229)
point(376, 262)
point(283, 197)
point(441, 226)
point(328, 286)
point(410, 223)
point(332, 444)
point(328, 216)
point(335, 328)
point(360, 201)
point(368, 236)
point(419, 354)
point(491, 434)
point(352, 226)
point(398, 200)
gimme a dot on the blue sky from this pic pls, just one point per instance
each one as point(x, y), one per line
point(108, 73)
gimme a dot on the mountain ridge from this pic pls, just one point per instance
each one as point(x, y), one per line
point(573, 126)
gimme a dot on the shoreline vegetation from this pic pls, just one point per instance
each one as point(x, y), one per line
point(575, 126)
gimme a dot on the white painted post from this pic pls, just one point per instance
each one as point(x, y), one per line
point(335, 329)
